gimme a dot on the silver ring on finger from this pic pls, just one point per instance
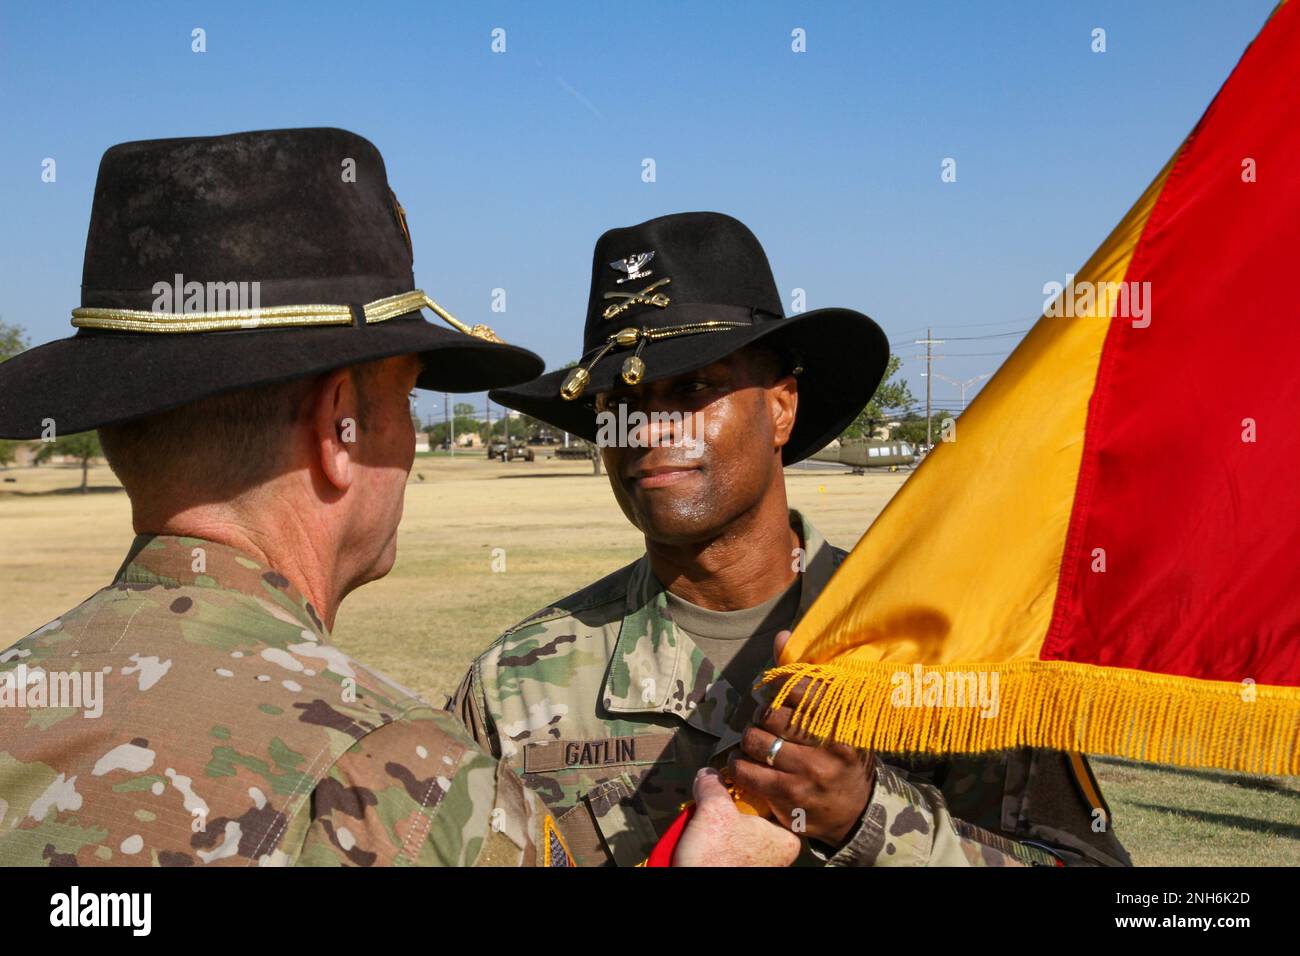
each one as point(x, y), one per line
point(772, 751)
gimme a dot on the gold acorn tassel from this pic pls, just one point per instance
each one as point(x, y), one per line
point(478, 331)
point(633, 366)
point(574, 383)
point(578, 379)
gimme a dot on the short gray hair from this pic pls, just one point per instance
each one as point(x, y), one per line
point(223, 445)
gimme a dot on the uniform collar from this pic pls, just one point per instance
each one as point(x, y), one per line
point(657, 669)
point(173, 561)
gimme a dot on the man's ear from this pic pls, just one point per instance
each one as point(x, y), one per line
point(783, 401)
point(335, 427)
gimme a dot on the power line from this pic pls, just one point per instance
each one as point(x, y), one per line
point(979, 325)
point(963, 338)
point(968, 325)
point(941, 405)
point(994, 335)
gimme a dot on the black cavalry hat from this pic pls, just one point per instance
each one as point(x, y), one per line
point(218, 263)
point(680, 292)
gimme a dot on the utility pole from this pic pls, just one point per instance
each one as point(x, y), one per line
point(487, 414)
point(928, 341)
point(451, 423)
point(414, 401)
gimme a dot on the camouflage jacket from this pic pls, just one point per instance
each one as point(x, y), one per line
point(604, 707)
point(193, 713)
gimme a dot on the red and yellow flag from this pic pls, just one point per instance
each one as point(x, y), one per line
point(1117, 518)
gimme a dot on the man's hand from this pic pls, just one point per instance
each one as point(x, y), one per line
point(720, 835)
point(820, 791)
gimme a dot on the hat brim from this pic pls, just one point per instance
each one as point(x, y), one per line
point(98, 378)
point(843, 353)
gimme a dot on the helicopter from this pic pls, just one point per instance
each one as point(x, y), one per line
point(863, 453)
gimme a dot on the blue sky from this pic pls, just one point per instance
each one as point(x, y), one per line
point(510, 165)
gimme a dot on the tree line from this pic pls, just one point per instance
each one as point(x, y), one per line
point(893, 402)
point(84, 446)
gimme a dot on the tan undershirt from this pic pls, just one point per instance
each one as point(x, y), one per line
point(738, 643)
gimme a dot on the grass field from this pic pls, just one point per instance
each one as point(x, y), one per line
point(560, 528)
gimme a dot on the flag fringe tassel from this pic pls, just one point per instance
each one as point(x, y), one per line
point(1061, 705)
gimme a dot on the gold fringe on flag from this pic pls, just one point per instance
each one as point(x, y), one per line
point(1061, 705)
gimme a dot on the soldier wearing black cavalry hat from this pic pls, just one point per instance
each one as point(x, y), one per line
point(699, 390)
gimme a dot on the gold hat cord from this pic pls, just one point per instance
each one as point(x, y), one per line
point(633, 367)
point(276, 316)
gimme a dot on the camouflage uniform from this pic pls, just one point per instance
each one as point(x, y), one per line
point(608, 710)
point(233, 734)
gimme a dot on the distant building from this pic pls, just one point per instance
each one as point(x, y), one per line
point(421, 442)
point(886, 431)
point(25, 457)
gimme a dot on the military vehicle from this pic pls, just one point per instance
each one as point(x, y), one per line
point(577, 450)
point(863, 453)
point(518, 450)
